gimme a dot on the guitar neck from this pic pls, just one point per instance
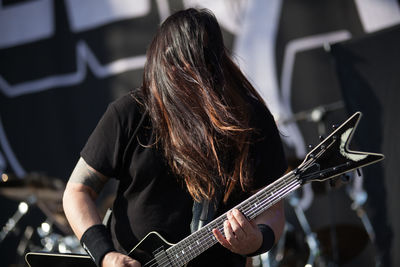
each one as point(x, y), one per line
point(198, 242)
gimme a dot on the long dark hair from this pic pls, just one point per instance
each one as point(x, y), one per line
point(197, 99)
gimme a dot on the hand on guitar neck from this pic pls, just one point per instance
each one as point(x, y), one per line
point(242, 236)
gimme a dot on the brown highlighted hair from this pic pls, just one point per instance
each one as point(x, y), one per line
point(197, 99)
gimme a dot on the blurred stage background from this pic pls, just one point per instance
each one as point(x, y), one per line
point(315, 62)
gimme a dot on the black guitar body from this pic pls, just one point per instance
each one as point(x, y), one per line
point(150, 252)
point(48, 259)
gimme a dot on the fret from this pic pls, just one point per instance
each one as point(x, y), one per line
point(201, 240)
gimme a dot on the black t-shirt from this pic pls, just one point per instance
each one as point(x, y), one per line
point(149, 197)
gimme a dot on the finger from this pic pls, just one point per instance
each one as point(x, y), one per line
point(242, 221)
point(221, 239)
point(230, 234)
point(236, 225)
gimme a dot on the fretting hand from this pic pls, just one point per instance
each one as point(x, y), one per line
point(241, 235)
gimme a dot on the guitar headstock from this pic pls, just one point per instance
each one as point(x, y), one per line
point(333, 157)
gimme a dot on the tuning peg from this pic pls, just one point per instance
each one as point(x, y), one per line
point(321, 138)
point(335, 126)
point(310, 147)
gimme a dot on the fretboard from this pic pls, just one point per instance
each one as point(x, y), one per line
point(198, 242)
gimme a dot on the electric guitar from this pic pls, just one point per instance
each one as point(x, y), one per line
point(332, 157)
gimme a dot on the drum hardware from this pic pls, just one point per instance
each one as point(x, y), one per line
point(54, 234)
point(275, 256)
point(57, 243)
point(24, 242)
point(49, 239)
point(43, 191)
point(324, 239)
point(359, 197)
point(310, 236)
point(280, 246)
point(46, 194)
point(70, 244)
point(12, 222)
point(41, 187)
point(314, 115)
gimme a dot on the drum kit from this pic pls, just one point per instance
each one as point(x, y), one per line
point(45, 193)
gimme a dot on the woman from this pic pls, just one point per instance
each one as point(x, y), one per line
point(195, 130)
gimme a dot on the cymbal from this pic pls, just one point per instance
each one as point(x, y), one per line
point(33, 185)
point(43, 191)
point(26, 193)
point(315, 114)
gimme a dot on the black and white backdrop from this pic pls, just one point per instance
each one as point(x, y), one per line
point(62, 62)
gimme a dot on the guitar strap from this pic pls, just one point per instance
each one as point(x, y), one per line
point(203, 212)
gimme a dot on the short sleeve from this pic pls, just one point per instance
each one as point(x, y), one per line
point(103, 148)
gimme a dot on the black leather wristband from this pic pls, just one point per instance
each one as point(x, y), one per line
point(268, 240)
point(96, 240)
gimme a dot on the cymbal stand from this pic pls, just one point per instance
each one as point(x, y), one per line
point(310, 237)
point(273, 258)
point(359, 197)
point(11, 224)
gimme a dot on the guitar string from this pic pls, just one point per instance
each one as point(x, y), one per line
point(219, 227)
point(286, 185)
point(251, 211)
point(189, 255)
point(263, 195)
point(288, 188)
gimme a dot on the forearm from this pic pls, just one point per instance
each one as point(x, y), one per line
point(274, 217)
point(79, 197)
point(80, 208)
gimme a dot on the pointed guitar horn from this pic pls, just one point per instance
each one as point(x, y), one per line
point(333, 157)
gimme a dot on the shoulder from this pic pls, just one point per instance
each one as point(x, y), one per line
point(127, 108)
point(127, 104)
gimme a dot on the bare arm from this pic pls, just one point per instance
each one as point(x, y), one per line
point(79, 206)
point(79, 197)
